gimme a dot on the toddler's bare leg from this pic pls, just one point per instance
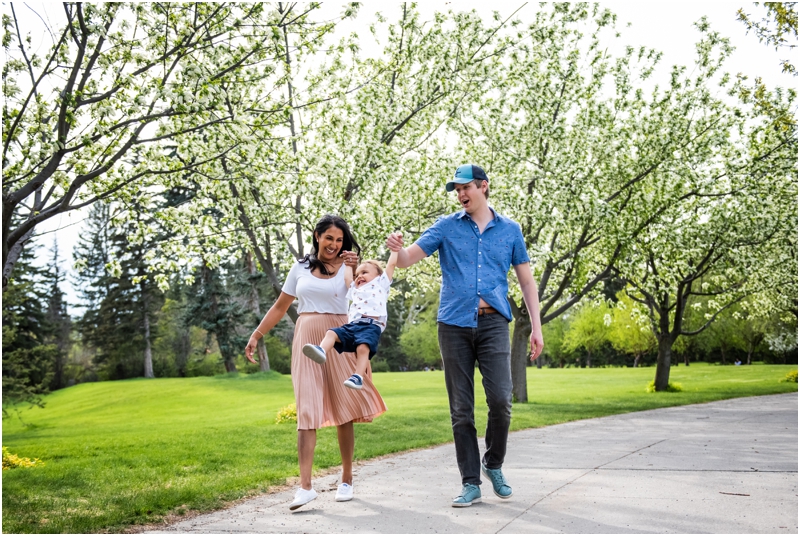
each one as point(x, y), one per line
point(362, 358)
point(330, 339)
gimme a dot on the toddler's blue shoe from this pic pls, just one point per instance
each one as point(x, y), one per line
point(354, 382)
point(315, 353)
point(499, 484)
point(470, 493)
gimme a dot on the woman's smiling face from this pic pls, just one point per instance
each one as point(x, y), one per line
point(330, 244)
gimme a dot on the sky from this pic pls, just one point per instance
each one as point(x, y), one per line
point(664, 26)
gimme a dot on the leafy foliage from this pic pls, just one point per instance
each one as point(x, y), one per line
point(420, 342)
point(588, 329)
point(777, 28)
point(630, 330)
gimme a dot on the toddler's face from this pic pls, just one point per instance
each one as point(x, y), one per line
point(365, 273)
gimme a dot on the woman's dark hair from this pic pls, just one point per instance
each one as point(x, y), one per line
point(348, 241)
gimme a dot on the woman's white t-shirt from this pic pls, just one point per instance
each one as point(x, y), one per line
point(316, 295)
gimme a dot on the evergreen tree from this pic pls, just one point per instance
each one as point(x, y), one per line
point(213, 306)
point(115, 331)
point(173, 340)
point(91, 256)
point(27, 360)
point(59, 324)
point(119, 294)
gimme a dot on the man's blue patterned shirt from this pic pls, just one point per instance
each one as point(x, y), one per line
point(474, 265)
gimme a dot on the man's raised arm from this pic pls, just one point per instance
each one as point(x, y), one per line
point(405, 256)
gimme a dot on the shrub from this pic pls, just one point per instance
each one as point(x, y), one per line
point(420, 342)
point(12, 461)
point(671, 387)
point(205, 365)
point(287, 414)
point(379, 365)
point(790, 377)
point(278, 353)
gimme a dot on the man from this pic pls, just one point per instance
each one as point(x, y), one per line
point(476, 248)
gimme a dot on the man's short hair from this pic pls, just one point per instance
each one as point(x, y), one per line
point(478, 182)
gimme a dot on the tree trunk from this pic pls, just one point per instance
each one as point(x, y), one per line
point(588, 359)
point(227, 351)
point(686, 359)
point(11, 255)
point(722, 351)
point(148, 355)
point(263, 358)
point(519, 358)
point(182, 353)
point(750, 348)
point(228, 354)
point(636, 359)
point(663, 362)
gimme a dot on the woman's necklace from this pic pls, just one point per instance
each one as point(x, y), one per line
point(333, 277)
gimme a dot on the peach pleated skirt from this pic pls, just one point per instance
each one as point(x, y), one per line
point(321, 397)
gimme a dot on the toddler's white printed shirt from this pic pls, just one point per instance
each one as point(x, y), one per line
point(370, 299)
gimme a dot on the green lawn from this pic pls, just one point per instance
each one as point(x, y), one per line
point(128, 452)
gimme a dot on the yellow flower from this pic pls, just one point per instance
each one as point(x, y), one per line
point(287, 414)
point(12, 461)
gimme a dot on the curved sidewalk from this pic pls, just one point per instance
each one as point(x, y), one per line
point(721, 467)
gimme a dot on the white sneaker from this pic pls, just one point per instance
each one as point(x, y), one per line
point(354, 382)
point(344, 493)
point(301, 497)
point(315, 353)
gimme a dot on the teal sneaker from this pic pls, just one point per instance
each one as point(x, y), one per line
point(470, 493)
point(499, 484)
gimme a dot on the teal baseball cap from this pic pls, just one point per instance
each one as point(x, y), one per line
point(466, 173)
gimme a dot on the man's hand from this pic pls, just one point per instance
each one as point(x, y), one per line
point(406, 257)
point(395, 241)
point(537, 344)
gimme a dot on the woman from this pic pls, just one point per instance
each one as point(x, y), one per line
point(317, 281)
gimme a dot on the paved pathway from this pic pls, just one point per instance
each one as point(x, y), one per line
point(722, 467)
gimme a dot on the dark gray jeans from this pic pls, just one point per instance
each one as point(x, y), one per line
point(490, 346)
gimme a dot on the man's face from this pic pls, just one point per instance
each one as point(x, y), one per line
point(471, 196)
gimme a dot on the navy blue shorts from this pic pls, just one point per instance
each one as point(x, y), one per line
point(355, 333)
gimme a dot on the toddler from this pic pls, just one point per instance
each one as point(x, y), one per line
point(368, 293)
